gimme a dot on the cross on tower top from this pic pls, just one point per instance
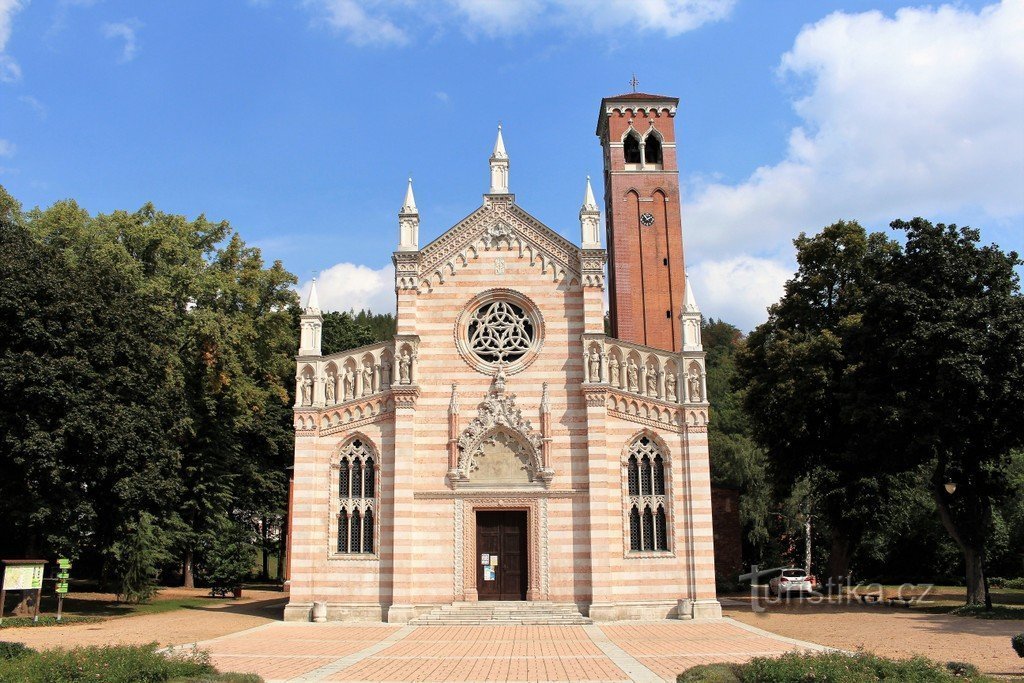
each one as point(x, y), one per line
point(633, 82)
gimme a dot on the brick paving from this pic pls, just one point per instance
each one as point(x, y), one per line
point(633, 651)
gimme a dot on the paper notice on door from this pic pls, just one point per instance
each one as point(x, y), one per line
point(485, 559)
point(488, 573)
point(494, 560)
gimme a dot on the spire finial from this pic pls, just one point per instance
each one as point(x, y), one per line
point(409, 205)
point(499, 166)
point(633, 82)
point(499, 146)
point(313, 302)
point(589, 203)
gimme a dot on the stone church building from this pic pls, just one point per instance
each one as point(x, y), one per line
point(502, 446)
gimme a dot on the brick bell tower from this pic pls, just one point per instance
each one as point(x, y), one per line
point(644, 224)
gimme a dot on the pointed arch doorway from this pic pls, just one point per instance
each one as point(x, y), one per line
point(503, 562)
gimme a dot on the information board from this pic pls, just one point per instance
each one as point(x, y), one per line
point(23, 577)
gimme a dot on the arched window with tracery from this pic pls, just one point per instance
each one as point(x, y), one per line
point(646, 499)
point(357, 498)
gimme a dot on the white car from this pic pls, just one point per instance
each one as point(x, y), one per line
point(790, 580)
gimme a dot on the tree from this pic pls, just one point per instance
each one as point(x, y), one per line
point(736, 460)
point(942, 376)
point(147, 364)
point(90, 411)
point(796, 370)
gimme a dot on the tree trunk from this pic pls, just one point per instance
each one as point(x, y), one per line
point(839, 560)
point(266, 555)
point(187, 570)
point(807, 544)
point(973, 556)
point(975, 577)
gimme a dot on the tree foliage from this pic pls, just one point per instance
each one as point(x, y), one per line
point(797, 369)
point(942, 384)
point(147, 366)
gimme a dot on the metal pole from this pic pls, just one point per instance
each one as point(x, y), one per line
point(39, 598)
point(60, 605)
point(807, 545)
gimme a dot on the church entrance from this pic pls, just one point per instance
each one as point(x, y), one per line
point(501, 572)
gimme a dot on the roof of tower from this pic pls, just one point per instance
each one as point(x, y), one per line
point(589, 203)
point(637, 96)
point(639, 99)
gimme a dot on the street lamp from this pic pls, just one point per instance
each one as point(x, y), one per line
point(950, 487)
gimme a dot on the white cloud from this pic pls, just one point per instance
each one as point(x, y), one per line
point(7, 148)
point(738, 289)
point(393, 22)
point(38, 107)
point(349, 286)
point(9, 69)
point(126, 30)
point(915, 114)
point(360, 27)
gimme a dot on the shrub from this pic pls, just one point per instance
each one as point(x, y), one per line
point(13, 650)
point(963, 670)
point(834, 667)
point(709, 673)
point(1018, 644)
point(107, 664)
point(1017, 583)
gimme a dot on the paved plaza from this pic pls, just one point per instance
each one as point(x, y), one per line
point(625, 651)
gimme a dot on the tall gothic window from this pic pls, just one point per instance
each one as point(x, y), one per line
point(631, 149)
point(652, 149)
point(357, 497)
point(646, 501)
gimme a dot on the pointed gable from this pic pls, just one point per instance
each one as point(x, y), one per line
point(498, 224)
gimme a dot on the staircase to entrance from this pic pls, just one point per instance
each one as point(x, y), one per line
point(503, 613)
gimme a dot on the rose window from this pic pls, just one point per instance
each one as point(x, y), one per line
point(500, 331)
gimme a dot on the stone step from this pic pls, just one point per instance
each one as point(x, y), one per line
point(504, 613)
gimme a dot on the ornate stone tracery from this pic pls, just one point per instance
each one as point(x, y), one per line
point(500, 423)
point(500, 331)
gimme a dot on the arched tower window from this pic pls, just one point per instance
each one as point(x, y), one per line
point(631, 148)
point(645, 497)
point(652, 150)
point(357, 498)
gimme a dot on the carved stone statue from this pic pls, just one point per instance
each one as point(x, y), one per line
point(367, 379)
point(307, 391)
point(595, 366)
point(329, 389)
point(499, 378)
point(632, 377)
point(404, 367)
point(652, 382)
point(694, 382)
point(613, 372)
point(670, 386)
point(349, 384)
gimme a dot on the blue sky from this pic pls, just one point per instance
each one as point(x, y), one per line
point(299, 121)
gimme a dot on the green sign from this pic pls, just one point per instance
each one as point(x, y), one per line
point(64, 563)
point(23, 577)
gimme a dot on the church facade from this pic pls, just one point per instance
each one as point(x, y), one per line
point(502, 446)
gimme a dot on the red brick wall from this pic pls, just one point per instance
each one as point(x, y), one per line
point(725, 512)
point(645, 263)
